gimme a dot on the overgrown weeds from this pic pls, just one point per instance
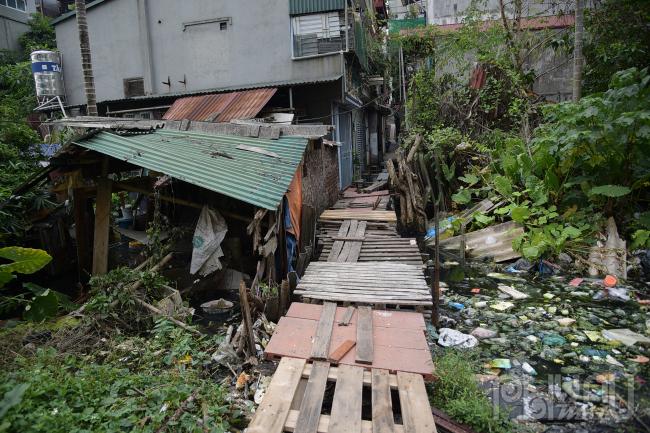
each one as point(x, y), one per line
point(133, 383)
point(457, 393)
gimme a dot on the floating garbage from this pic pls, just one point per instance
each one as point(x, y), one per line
point(554, 340)
point(576, 282)
point(566, 321)
point(512, 292)
point(502, 306)
point(456, 306)
point(612, 293)
point(625, 336)
point(452, 338)
point(640, 359)
point(483, 333)
point(610, 281)
point(501, 363)
point(528, 369)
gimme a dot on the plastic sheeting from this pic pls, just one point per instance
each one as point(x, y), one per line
point(210, 231)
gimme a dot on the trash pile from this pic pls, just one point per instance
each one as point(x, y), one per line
point(553, 348)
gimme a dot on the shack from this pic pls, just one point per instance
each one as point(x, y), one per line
point(225, 198)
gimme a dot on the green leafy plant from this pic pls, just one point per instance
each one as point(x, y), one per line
point(23, 261)
point(136, 386)
point(457, 393)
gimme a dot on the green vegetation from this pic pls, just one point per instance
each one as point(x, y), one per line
point(617, 38)
point(17, 137)
point(124, 384)
point(456, 392)
point(559, 169)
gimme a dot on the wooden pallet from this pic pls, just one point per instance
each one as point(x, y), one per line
point(366, 283)
point(359, 214)
point(389, 340)
point(300, 399)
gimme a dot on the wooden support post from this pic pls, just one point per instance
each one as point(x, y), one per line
point(284, 297)
point(82, 234)
point(102, 226)
point(436, 271)
point(246, 315)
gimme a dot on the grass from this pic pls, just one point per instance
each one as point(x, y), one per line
point(457, 393)
point(125, 384)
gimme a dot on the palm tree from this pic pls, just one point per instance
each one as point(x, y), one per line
point(86, 61)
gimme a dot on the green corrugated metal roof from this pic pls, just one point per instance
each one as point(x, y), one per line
point(298, 7)
point(196, 158)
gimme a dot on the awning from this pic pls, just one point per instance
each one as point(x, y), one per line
point(222, 107)
point(298, 7)
point(252, 170)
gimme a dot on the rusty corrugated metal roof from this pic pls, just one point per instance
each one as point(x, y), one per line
point(222, 107)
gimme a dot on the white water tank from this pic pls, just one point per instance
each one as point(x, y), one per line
point(48, 75)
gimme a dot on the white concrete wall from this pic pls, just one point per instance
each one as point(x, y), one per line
point(255, 48)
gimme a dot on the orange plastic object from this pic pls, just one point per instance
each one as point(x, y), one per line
point(610, 281)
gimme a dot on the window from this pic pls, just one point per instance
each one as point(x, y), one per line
point(318, 33)
point(133, 87)
point(14, 4)
point(223, 25)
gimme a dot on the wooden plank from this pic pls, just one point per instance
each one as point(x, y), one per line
point(246, 313)
point(382, 407)
point(363, 299)
point(380, 319)
point(345, 251)
point(312, 402)
point(341, 350)
point(368, 215)
point(274, 409)
point(338, 245)
point(416, 411)
point(333, 375)
point(347, 317)
point(355, 247)
point(320, 348)
point(346, 407)
point(324, 423)
point(364, 335)
point(102, 223)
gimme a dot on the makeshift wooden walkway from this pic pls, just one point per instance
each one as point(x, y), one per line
point(299, 400)
point(390, 340)
point(382, 284)
point(362, 241)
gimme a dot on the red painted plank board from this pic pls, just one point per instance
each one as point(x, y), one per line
point(380, 318)
point(396, 349)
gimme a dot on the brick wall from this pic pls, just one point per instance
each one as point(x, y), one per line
point(320, 182)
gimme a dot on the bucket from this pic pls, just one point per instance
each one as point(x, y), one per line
point(217, 310)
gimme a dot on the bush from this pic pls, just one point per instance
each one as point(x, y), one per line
point(138, 387)
point(457, 393)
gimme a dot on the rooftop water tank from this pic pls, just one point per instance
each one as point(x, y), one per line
point(48, 75)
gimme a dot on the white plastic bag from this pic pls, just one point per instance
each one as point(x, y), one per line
point(210, 231)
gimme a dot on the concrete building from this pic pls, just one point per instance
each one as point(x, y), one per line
point(14, 15)
point(148, 53)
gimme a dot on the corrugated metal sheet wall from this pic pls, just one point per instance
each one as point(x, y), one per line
point(298, 7)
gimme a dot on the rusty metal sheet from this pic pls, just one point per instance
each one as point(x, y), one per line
point(222, 107)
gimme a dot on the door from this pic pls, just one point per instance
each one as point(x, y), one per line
point(344, 137)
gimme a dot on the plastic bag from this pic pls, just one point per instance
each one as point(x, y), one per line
point(210, 231)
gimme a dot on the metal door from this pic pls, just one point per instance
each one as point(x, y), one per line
point(344, 137)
